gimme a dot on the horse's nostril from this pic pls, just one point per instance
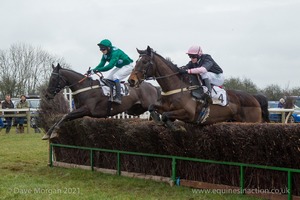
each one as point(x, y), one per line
point(131, 82)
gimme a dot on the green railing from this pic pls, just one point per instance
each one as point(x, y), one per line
point(242, 166)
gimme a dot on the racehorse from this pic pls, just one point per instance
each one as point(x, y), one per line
point(177, 101)
point(90, 100)
point(263, 101)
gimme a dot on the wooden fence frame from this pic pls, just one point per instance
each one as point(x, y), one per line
point(15, 112)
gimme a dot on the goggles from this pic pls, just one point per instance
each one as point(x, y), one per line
point(193, 56)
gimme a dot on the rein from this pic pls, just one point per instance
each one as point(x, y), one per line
point(161, 77)
point(153, 77)
point(150, 64)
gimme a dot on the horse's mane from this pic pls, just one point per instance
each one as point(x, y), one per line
point(70, 70)
point(168, 62)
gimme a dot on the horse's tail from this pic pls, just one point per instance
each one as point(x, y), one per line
point(263, 102)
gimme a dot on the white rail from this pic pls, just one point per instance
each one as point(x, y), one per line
point(283, 112)
point(123, 115)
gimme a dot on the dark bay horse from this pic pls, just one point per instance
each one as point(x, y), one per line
point(90, 99)
point(177, 101)
point(263, 101)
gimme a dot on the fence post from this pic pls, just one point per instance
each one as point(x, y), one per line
point(28, 120)
point(242, 183)
point(118, 164)
point(92, 159)
point(290, 179)
point(50, 155)
point(174, 169)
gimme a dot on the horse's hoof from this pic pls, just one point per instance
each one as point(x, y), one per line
point(45, 137)
point(181, 129)
point(155, 117)
point(54, 135)
point(160, 123)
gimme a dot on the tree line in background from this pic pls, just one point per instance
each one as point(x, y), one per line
point(273, 92)
point(25, 69)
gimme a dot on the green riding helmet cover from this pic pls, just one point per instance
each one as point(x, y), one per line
point(105, 43)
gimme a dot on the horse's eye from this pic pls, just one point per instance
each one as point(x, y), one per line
point(144, 62)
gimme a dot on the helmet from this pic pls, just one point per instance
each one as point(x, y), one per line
point(282, 100)
point(105, 43)
point(195, 50)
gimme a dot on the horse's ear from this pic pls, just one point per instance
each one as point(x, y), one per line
point(58, 66)
point(149, 50)
point(139, 51)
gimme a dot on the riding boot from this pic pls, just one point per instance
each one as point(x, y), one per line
point(118, 99)
point(21, 129)
point(207, 95)
point(7, 129)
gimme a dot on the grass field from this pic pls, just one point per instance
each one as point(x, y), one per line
point(25, 174)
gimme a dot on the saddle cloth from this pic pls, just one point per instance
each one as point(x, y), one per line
point(219, 96)
point(107, 91)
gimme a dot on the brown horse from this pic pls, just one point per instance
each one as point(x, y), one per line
point(177, 101)
point(263, 101)
point(90, 100)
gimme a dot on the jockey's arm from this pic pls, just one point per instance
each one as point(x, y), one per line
point(198, 70)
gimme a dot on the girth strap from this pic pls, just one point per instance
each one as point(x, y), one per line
point(193, 87)
point(85, 89)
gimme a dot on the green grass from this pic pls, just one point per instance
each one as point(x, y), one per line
point(25, 174)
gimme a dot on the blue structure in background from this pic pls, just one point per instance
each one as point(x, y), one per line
point(295, 117)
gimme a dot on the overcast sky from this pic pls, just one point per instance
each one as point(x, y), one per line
point(255, 39)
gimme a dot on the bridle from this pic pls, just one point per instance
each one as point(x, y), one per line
point(145, 70)
point(56, 89)
point(150, 65)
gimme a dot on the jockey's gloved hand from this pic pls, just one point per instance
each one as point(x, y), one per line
point(89, 72)
point(95, 71)
point(182, 71)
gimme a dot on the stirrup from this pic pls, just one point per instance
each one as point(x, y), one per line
point(117, 101)
point(206, 97)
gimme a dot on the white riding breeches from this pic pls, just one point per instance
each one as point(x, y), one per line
point(215, 79)
point(120, 73)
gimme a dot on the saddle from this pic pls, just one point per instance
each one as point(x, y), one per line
point(109, 88)
point(195, 79)
point(218, 95)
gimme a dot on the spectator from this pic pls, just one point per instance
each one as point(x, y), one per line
point(281, 103)
point(7, 104)
point(1, 122)
point(22, 104)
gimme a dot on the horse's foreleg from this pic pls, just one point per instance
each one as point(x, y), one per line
point(49, 132)
point(181, 114)
point(54, 133)
point(78, 113)
point(154, 115)
point(170, 125)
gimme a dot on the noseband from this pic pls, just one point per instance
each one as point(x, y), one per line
point(144, 70)
point(58, 86)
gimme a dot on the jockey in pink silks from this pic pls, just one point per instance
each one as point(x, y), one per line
point(203, 64)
